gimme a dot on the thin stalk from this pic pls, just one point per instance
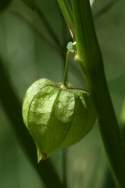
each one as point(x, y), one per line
point(67, 13)
point(66, 68)
point(89, 51)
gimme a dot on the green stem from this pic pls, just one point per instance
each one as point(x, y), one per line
point(89, 51)
point(67, 13)
point(66, 68)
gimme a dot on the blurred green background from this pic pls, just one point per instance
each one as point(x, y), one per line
point(32, 46)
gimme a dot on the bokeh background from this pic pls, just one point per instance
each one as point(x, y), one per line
point(33, 38)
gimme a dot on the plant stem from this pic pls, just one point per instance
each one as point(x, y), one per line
point(67, 13)
point(89, 51)
point(66, 68)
